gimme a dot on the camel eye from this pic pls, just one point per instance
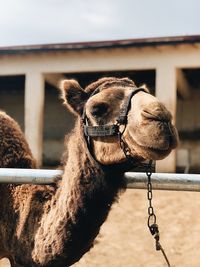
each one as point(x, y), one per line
point(100, 109)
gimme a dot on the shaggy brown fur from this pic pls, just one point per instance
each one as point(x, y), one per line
point(14, 150)
point(55, 225)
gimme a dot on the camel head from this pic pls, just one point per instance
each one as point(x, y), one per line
point(147, 131)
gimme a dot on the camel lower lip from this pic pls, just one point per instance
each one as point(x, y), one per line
point(157, 149)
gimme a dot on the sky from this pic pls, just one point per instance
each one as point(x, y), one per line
point(25, 22)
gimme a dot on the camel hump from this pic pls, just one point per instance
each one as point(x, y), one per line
point(14, 149)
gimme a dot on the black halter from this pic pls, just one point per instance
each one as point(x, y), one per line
point(113, 129)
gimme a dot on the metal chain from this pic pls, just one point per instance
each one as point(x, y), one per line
point(151, 222)
point(126, 149)
point(123, 144)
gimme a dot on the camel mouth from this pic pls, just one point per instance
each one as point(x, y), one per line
point(153, 150)
point(153, 140)
point(149, 152)
point(156, 149)
point(159, 150)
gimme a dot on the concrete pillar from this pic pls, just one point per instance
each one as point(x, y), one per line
point(166, 92)
point(34, 106)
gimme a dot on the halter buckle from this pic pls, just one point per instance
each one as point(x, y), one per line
point(101, 130)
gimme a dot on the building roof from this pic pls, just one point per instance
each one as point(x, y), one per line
point(142, 42)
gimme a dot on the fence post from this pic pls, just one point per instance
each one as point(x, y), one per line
point(34, 109)
point(166, 93)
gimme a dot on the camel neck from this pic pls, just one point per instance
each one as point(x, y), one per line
point(83, 200)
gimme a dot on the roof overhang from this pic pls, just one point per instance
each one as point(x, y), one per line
point(142, 42)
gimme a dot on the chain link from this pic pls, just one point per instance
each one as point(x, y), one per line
point(151, 222)
point(124, 146)
point(152, 217)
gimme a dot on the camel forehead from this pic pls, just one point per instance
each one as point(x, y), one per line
point(111, 95)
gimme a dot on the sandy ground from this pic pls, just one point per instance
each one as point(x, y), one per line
point(124, 240)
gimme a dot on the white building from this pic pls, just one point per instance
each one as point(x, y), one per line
point(169, 66)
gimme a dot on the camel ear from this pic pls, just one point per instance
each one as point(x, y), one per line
point(144, 86)
point(73, 95)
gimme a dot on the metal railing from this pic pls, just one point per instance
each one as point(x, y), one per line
point(135, 180)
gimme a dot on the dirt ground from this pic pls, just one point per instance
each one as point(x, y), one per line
point(124, 240)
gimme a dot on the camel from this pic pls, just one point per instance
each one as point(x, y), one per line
point(118, 126)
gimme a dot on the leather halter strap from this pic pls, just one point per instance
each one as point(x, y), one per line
point(113, 129)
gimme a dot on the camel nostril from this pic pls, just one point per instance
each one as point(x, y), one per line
point(149, 115)
point(157, 115)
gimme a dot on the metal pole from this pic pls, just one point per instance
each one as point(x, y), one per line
point(164, 181)
point(135, 180)
point(28, 176)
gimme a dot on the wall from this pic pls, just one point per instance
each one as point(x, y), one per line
point(188, 124)
point(162, 59)
point(12, 97)
point(57, 123)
